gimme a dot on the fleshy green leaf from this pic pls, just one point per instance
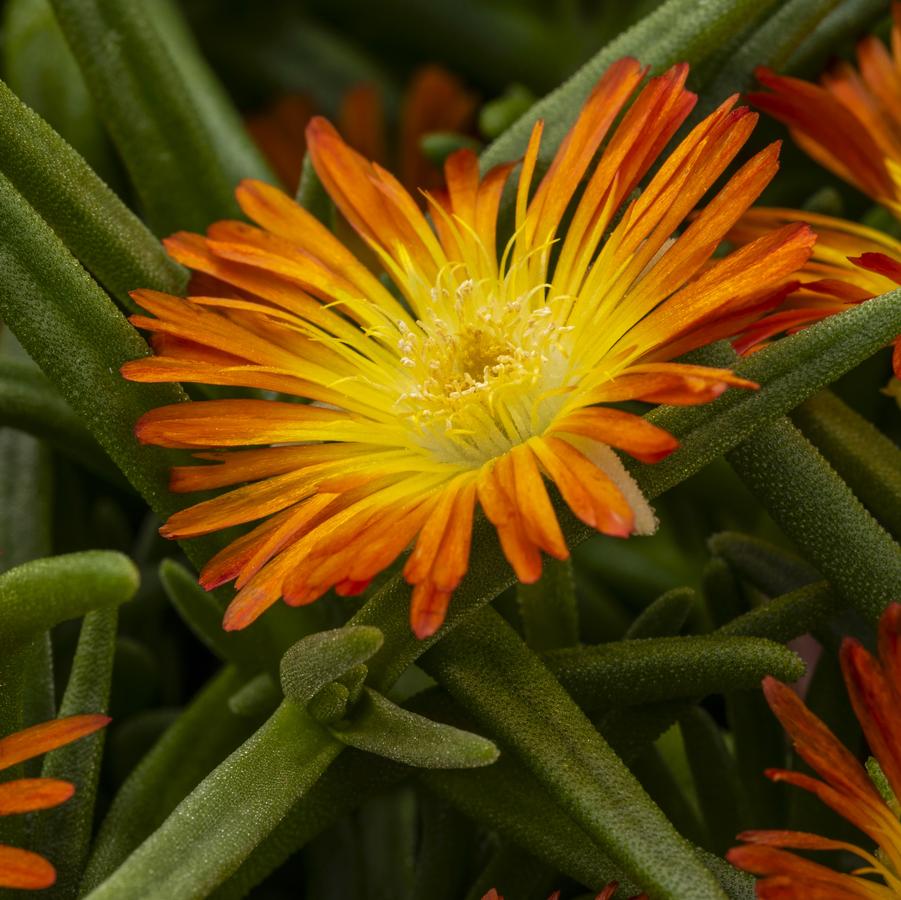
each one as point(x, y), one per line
point(627, 673)
point(41, 70)
point(715, 777)
point(202, 736)
point(79, 339)
point(771, 44)
point(93, 223)
point(665, 616)
point(65, 832)
point(40, 594)
point(510, 693)
point(865, 458)
point(229, 813)
point(353, 778)
point(320, 658)
point(788, 616)
point(182, 143)
point(845, 24)
point(817, 510)
point(30, 402)
point(550, 616)
point(769, 568)
point(379, 726)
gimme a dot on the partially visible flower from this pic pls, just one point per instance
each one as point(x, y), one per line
point(489, 378)
point(851, 124)
point(435, 100)
point(874, 686)
point(21, 868)
point(850, 263)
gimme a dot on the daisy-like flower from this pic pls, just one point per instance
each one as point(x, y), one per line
point(21, 868)
point(851, 123)
point(477, 378)
point(850, 263)
point(435, 100)
point(874, 686)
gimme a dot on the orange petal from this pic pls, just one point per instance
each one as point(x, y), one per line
point(428, 607)
point(817, 744)
point(24, 870)
point(520, 551)
point(876, 704)
point(673, 383)
point(879, 262)
point(28, 794)
point(47, 736)
point(625, 431)
point(529, 495)
point(569, 467)
point(234, 423)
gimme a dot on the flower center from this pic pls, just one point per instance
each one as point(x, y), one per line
point(484, 370)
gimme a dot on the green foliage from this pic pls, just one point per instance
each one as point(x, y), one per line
point(324, 657)
point(379, 726)
point(864, 457)
point(96, 227)
point(40, 594)
point(628, 673)
point(821, 515)
point(219, 823)
point(174, 128)
point(491, 672)
point(65, 833)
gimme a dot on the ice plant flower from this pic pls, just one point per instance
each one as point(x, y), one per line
point(851, 123)
point(484, 377)
point(435, 100)
point(850, 263)
point(23, 869)
point(874, 686)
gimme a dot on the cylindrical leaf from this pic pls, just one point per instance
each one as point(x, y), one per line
point(96, 226)
point(379, 726)
point(229, 813)
point(550, 617)
point(202, 736)
point(320, 658)
point(65, 832)
point(865, 458)
point(491, 672)
point(817, 510)
point(40, 594)
point(183, 144)
point(628, 673)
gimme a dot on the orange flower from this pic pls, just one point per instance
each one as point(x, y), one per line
point(852, 124)
point(21, 868)
point(482, 378)
point(435, 100)
point(850, 264)
point(874, 687)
